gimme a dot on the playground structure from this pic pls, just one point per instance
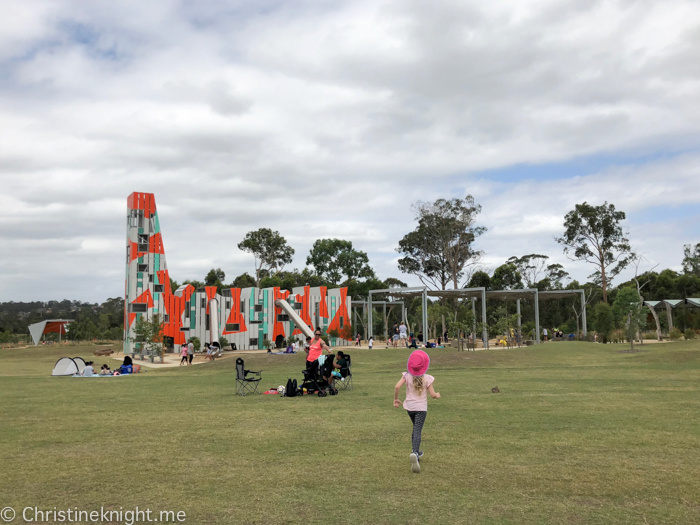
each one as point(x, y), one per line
point(474, 294)
point(246, 317)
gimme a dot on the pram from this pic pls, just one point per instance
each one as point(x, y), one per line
point(315, 379)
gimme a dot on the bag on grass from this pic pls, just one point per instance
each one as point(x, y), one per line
point(291, 389)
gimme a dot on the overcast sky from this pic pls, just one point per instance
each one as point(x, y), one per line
point(328, 119)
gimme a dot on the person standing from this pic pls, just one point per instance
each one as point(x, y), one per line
point(316, 348)
point(403, 334)
point(190, 351)
point(358, 339)
point(370, 342)
point(544, 334)
point(183, 353)
point(418, 386)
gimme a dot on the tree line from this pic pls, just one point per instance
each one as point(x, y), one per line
point(91, 320)
point(442, 252)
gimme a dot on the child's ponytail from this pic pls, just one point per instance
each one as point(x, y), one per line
point(418, 384)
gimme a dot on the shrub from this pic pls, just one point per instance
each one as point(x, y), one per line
point(196, 343)
point(604, 321)
point(676, 334)
point(689, 334)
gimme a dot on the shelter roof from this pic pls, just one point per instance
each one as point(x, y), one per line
point(48, 326)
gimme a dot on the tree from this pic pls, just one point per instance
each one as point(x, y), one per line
point(333, 259)
point(506, 277)
point(150, 334)
point(593, 234)
point(639, 284)
point(628, 312)
point(556, 274)
point(691, 260)
point(530, 267)
point(604, 320)
point(215, 278)
point(197, 285)
point(270, 250)
point(441, 246)
point(480, 279)
point(243, 281)
point(589, 292)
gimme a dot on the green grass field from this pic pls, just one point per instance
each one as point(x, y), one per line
point(580, 433)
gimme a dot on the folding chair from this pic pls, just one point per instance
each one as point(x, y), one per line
point(244, 384)
point(345, 381)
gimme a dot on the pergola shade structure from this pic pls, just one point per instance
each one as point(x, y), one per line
point(384, 304)
point(50, 326)
point(670, 305)
point(483, 294)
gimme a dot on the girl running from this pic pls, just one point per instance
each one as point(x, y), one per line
point(418, 386)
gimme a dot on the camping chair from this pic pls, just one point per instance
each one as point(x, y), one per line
point(244, 384)
point(346, 373)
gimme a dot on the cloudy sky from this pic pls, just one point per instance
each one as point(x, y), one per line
point(329, 118)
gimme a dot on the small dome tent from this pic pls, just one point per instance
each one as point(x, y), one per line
point(65, 367)
point(80, 363)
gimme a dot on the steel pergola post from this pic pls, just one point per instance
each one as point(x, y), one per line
point(537, 317)
point(370, 331)
point(583, 313)
point(485, 330)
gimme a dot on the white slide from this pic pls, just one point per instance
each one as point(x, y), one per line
point(284, 305)
point(214, 323)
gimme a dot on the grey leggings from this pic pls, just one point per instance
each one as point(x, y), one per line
point(418, 419)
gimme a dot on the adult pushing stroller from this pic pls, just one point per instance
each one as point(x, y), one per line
point(319, 379)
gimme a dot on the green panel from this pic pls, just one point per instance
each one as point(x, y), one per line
point(193, 319)
point(141, 260)
point(156, 295)
point(139, 275)
point(140, 230)
point(157, 222)
point(265, 300)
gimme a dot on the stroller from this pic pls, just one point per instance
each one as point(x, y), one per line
point(317, 380)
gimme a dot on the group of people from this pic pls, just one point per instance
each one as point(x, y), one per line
point(314, 350)
point(400, 336)
point(187, 353)
point(556, 334)
point(126, 368)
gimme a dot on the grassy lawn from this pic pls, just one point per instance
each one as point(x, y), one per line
point(580, 433)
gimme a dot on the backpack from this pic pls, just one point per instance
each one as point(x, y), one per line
point(291, 389)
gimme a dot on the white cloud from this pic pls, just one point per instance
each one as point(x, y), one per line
point(328, 119)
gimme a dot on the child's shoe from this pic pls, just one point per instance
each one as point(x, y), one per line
point(415, 465)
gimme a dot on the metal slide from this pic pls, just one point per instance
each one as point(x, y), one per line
point(284, 305)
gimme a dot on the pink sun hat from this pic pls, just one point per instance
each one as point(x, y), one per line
point(418, 363)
